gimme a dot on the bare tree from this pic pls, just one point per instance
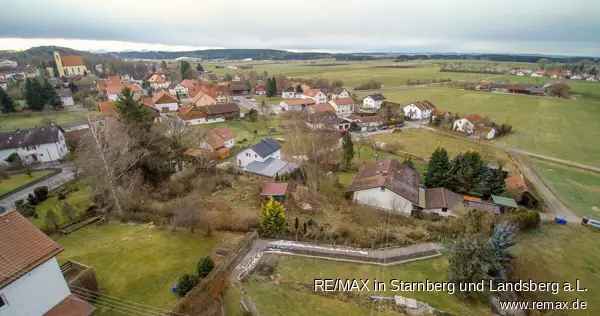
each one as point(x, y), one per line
point(186, 213)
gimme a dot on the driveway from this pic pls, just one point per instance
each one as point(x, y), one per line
point(67, 174)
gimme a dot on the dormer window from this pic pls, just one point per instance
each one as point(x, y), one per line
point(2, 302)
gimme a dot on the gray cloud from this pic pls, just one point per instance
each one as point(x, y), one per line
point(532, 26)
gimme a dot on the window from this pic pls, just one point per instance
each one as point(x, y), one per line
point(2, 302)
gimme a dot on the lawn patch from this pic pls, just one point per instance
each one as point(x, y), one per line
point(17, 180)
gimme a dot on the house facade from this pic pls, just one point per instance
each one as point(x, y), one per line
point(40, 144)
point(158, 81)
point(463, 125)
point(297, 104)
point(164, 102)
point(316, 95)
point(340, 93)
point(31, 282)
point(261, 152)
point(372, 103)
point(420, 110)
point(290, 93)
point(344, 107)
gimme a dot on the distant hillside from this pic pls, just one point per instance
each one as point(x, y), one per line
point(259, 54)
point(37, 55)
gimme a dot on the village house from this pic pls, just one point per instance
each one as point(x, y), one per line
point(296, 104)
point(343, 107)
point(264, 158)
point(163, 102)
point(365, 123)
point(340, 93)
point(108, 108)
point(316, 95)
point(66, 97)
point(158, 81)
point(239, 88)
point(466, 124)
point(220, 141)
point(39, 144)
point(327, 120)
point(441, 201)
point(69, 65)
point(260, 89)
point(419, 110)
point(372, 103)
point(31, 282)
point(274, 190)
point(214, 113)
point(111, 88)
point(290, 93)
point(178, 90)
point(388, 185)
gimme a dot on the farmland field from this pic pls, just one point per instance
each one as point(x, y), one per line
point(136, 262)
point(579, 190)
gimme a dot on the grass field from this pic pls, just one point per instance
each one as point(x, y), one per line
point(563, 253)
point(566, 129)
point(422, 143)
point(16, 180)
point(79, 198)
point(579, 190)
point(10, 122)
point(290, 293)
point(138, 263)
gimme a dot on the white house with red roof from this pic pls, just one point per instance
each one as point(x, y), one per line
point(344, 107)
point(163, 102)
point(316, 95)
point(31, 283)
point(158, 81)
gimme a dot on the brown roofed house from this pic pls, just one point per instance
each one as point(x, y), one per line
point(387, 184)
point(28, 266)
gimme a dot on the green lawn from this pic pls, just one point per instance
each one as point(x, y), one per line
point(244, 130)
point(139, 263)
point(79, 198)
point(579, 190)
point(16, 180)
point(562, 253)
point(291, 293)
point(10, 122)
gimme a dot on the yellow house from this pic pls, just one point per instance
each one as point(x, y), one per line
point(69, 66)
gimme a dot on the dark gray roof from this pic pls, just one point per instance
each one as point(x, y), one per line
point(271, 167)
point(266, 147)
point(29, 137)
point(376, 97)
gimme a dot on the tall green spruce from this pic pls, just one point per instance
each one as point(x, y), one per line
point(271, 87)
point(6, 103)
point(438, 168)
point(33, 95)
point(131, 111)
point(348, 148)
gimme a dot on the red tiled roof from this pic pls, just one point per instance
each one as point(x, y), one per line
point(190, 113)
point(163, 97)
point(223, 132)
point(23, 247)
point(72, 61)
point(324, 107)
point(274, 189)
point(71, 306)
point(474, 118)
point(108, 108)
point(312, 92)
point(343, 101)
point(299, 101)
point(516, 183)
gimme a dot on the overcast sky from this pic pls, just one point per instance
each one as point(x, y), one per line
point(504, 26)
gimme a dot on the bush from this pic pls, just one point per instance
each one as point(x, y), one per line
point(25, 209)
point(369, 85)
point(40, 194)
point(51, 221)
point(524, 219)
point(205, 265)
point(185, 284)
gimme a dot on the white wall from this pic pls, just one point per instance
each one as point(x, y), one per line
point(36, 292)
point(170, 107)
point(248, 156)
point(384, 199)
point(44, 152)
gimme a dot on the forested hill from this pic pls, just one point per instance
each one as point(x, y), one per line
point(259, 54)
point(37, 55)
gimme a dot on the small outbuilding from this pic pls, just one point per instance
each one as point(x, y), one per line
point(276, 190)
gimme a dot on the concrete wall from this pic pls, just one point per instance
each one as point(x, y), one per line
point(36, 292)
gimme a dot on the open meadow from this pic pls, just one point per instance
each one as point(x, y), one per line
point(10, 122)
point(137, 262)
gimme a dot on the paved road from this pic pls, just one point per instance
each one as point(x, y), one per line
point(67, 174)
point(387, 256)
